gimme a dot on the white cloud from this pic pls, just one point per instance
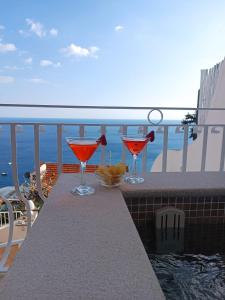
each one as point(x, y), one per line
point(7, 48)
point(23, 33)
point(48, 63)
point(53, 32)
point(28, 61)
point(6, 79)
point(118, 28)
point(74, 50)
point(93, 49)
point(12, 68)
point(78, 51)
point(36, 27)
point(37, 80)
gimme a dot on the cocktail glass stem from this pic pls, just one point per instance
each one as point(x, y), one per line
point(134, 167)
point(82, 175)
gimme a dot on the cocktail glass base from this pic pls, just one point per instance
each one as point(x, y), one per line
point(83, 190)
point(134, 180)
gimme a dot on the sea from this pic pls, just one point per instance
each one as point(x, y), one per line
point(48, 143)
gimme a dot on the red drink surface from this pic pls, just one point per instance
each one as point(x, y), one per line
point(83, 149)
point(135, 145)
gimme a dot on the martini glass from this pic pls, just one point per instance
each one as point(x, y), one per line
point(83, 148)
point(135, 144)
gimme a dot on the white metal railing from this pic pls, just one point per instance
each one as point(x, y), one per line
point(4, 217)
point(6, 252)
point(161, 130)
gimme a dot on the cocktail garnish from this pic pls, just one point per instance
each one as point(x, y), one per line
point(102, 140)
point(151, 136)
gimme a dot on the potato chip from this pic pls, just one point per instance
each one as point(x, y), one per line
point(111, 175)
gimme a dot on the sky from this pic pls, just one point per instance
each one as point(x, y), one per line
point(120, 52)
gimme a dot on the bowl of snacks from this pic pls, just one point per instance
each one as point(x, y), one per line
point(111, 176)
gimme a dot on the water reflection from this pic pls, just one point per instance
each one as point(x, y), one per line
point(169, 240)
point(191, 264)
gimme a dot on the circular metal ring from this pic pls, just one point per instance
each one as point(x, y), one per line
point(161, 117)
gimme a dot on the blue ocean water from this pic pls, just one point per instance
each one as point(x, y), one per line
point(48, 143)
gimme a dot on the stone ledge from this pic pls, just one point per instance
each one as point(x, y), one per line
point(82, 248)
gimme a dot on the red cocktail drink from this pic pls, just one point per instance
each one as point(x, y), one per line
point(83, 148)
point(135, 144)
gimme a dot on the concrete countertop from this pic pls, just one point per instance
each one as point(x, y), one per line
point(190, 181)
point(82, 248)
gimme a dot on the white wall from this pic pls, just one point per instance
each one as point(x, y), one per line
point(212, 94)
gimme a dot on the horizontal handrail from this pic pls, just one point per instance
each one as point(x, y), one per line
point(13, 242)
point(108, 107)
point(47, 123)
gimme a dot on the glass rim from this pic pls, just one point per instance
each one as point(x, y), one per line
point(81, 138)
point(91, 140)
point(133, 136)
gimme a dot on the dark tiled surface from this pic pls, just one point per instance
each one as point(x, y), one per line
point(197, 209)
point(207, 239)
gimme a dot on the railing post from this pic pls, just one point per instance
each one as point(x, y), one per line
point(15, 173)
point(185, 148)
point(144, 152)
point(103, 150)
point(124, 132)
point(204, 147)
point(81, 130)
point(222, 157)
point(165, 148)
point(6, 253)
point(37, 161)
point(59, 148)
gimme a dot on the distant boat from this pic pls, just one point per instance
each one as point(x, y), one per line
point(4, 174)
point(9, 163)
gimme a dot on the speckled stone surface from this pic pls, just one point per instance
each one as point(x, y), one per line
point(179, 181)
point(82, 248)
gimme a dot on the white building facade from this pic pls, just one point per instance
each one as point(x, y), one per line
point(211, 95)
